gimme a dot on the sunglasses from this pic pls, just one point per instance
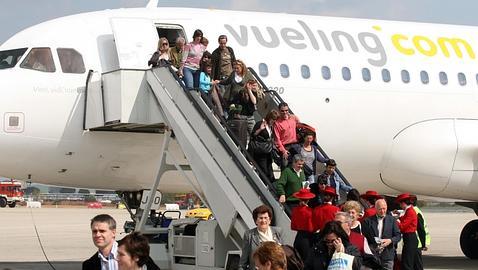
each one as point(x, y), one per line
point(164, 44)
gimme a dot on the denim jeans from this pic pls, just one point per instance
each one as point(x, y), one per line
point(191, 78)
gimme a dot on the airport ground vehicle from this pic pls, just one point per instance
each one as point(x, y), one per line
point(10, 193)
point(202, 213)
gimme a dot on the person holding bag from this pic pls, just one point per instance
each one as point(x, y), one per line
point(333, 251)
point(261, 143)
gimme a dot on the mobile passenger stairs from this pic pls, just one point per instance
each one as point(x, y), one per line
point(228, 181)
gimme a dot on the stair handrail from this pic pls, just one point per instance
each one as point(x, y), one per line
point(208, 117)
point(278, 99)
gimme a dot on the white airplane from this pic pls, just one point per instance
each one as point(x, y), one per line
point(395, 103)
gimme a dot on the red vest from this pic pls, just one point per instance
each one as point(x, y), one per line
point(323, 214)
point(408, 222)
point(357, 240)
point(301, 219)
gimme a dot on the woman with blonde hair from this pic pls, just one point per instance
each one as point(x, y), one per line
point(270, 256)
point(354, 209)
point(161, 55)
point(236, 81)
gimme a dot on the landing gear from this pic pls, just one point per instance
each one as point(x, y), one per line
point(469, 240)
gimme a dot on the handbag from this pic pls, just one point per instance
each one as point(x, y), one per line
point(260, 146)
point(276, 156)
point(341, 261)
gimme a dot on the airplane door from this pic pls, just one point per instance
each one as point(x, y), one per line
point(136, 40)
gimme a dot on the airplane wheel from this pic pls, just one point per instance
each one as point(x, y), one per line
point(3, 202)
point(469, 240)
point(12, 204)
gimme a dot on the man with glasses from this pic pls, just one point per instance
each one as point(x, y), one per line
point(285, 133)
point(355, 238)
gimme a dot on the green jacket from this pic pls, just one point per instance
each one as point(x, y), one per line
point(289, 183)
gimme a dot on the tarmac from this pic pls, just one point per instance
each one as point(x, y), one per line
point(64, 237)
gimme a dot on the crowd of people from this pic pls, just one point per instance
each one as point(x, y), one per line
point(222, 80)
point(361, 226)
point(328, 234)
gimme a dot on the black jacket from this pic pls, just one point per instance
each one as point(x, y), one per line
point(319, 257)
point(94, 263)
point(390, 230)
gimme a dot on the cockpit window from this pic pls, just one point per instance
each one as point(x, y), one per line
point(9, 59)
point(71, 61)
point(39, 59)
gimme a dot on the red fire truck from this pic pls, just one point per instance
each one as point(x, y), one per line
point(10, 193)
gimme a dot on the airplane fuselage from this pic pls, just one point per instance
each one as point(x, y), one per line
point(387, 133)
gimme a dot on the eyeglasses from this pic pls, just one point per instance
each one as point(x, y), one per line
point(164, 44)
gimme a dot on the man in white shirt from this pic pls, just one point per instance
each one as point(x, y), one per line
point(382, 233)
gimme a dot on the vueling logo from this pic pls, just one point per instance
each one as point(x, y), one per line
point(303, 37)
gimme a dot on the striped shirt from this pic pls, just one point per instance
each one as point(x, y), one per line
point(110, 262)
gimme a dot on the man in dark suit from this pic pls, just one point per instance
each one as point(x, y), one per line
point(103, 233)
point(382, 233)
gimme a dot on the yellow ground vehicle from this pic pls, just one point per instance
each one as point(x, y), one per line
point(202, 213)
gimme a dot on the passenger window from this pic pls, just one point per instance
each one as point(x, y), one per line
point(9, 59)
point(326, 72)
point(346, 73)
point(386, 75)
point(405, 76)
point(39, 59)
point(443, 78)
point(284, 71)
point(305, 71)
point(71, 61)
point(366, 74)
point(424, 77)
point(263, 70)
point(461, 79)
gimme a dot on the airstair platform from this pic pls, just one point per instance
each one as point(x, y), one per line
point(156, 101)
